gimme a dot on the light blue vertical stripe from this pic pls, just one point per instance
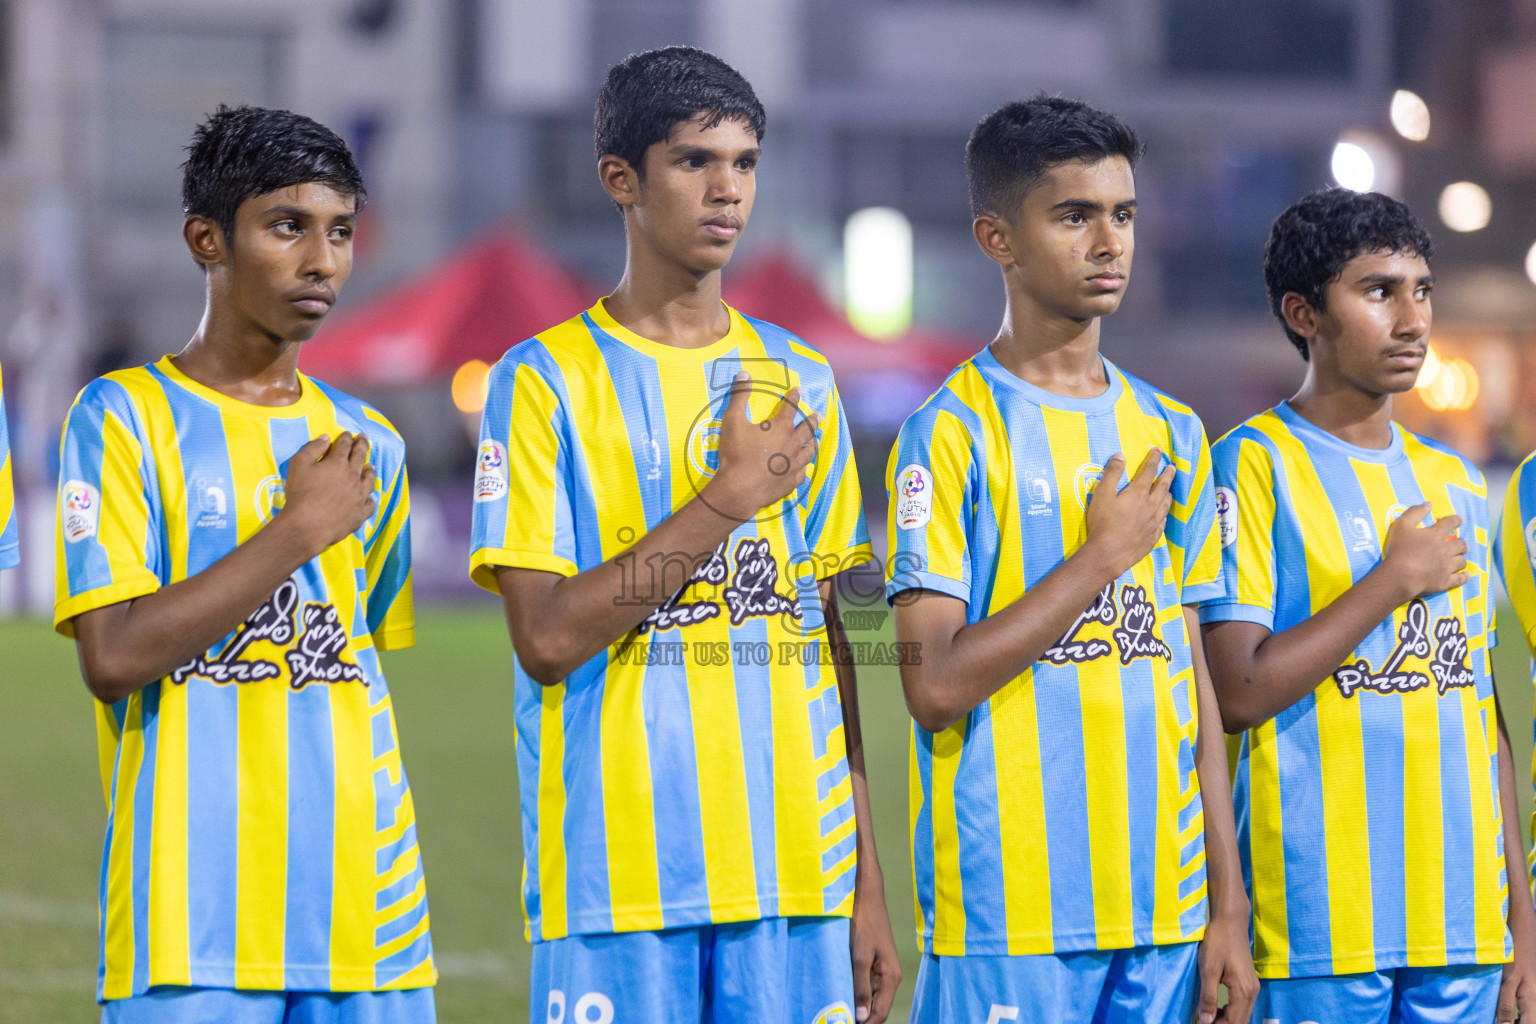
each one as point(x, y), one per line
point(212, 711)
point(922, 832)
point(1307, 907)
point(143, 831)
point(213, 830)
point(311, 830)
point(1304, 847)
point(1384, 745)
point(669, 736)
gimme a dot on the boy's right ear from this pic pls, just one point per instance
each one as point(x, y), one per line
point(205, 239)
point(1300, 315)
point(619, 179)
point(995, 236)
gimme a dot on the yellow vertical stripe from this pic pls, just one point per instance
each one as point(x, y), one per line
point(168, 866)
point(121, 944)
point(172, 481)
point(1255, 526)
point(1266, 843)
point(725, 816)
point(949, 905)
point(550, 854)
point(1424, 869)
point(354, 885)
point(1016, 729)
point(262, 830)
point(1482, 747)
point(628, 801)
point(915, 803)
point(1341, 747)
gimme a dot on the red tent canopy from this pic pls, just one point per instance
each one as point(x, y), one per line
point(777, 288)
point(492, 295)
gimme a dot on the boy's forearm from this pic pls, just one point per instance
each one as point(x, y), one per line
point(559, 628)
point(1255, 685)
point(1223, 867)
point(957, 672)
point(125, 647)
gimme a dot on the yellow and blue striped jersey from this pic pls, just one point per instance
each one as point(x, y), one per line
point(1064, 813)
point(695, 771)
point(10, 545)
point(1514, 550)
point(261, 832)
point(1368, 812)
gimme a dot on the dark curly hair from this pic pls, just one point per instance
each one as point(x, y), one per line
point(648, 94)
point(1312, 240)
point(240, 152)
point(1013, 147)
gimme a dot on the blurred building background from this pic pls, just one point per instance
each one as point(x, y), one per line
point(472, 123)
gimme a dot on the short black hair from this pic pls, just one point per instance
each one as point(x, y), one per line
point(1012, 148)
point(1312, 240)
point(648, 94)
point(240, 152)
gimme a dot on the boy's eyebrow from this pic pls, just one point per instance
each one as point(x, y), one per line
point(300, 213)
point(692, 149)
point(1392, 279)
point(1092, 205)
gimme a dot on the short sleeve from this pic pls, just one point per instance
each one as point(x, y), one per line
point(1515, 549)
point(387, 553)
point(931, 480)
point(108, 541)
point(1194, 540)
point(522, 503)
point(1245, 503)
point(834, 524)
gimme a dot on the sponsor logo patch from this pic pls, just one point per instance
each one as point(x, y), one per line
point(491, 479)
point(1226, 515)
point(80, 505)
point(914, 497)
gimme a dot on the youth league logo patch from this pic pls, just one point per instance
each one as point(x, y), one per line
point(491, 472)
point(80, 506)
point(1226, 515)
point(269, 498)
point(1530, 541)
point(914, 497)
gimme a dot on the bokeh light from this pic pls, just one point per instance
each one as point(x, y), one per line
point(1353, 167)
point(877, 271)
point(1448, 384)
point(471, 385)
point(1410, 115)
point(1465, 206)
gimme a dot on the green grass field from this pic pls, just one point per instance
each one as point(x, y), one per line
point(453, 697)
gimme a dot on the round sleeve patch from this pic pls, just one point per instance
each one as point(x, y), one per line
point(491, 472)
point(914, 496)
point(1226, 515)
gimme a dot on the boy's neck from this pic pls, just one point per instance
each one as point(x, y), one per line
point(1353, 416)
point(1056, 353)
point(665, 302)
point(240, 361)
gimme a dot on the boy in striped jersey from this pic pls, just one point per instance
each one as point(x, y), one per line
point(1069, 794)
point(10, 544)
point(665, 493)
point(1375, 798)
point(234, 551)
